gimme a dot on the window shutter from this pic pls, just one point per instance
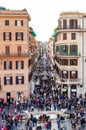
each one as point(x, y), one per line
point(22, 63)
point(21, 22)
point(4, 65)
point(15, 22)
point(16, 36)
point(4, 36)
point(4, 80)
point(11, 80)
point(16, 80)
point(10, 64)
point(22, 79)
point(16, 64)
point(10, 36)
point(22, 36)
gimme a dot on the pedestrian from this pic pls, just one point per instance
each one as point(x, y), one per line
point(58, 123)
point(64, 127)
point(0, 127)
point(79, 128)
point(15, 122)
point(30, 125)
point(15, 111)
point(5, 127)
point(8, 105)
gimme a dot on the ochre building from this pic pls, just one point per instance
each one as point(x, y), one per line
point(14, 48)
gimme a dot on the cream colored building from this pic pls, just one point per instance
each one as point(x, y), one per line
point(14, 41)
point(50, 48)
point(70, 49)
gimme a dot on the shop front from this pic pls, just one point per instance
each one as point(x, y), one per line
point(73, 90)
point(20, 96)
point(8, 97)
point(65, 90)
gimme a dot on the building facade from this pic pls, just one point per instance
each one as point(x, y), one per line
point(50, 49)
point(70, 53)
point(32, 43)
point(14, 42)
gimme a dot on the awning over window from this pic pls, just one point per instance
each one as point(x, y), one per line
point(54, 34)
point(34, 34)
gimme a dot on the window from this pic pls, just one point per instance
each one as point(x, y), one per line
point(73, 74)
point(19, 79)
point(7, 36)
point(64, 24)
point(19, 49)
point(19, 64)
point(64, 36)
point(73, 62)
point(73, 36)
point(19, 35)
point(64, 50)
point(59, 36)
point(18, 22)
point(57, 49)
point(7, 65)
point(59, 23)
point(8, 80)
point(64, 62)
point(7, 50)
point(6, 22)
point(64, 74)
point(73, 23)
point(73, 49)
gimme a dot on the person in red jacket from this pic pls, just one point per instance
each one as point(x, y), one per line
point(5, 128)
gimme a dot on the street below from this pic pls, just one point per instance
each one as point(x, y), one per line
point(47, 109)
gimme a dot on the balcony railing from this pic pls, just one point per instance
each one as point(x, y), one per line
point(68, 81)
point(69, 27)
point(66, 53)
point(14, 54)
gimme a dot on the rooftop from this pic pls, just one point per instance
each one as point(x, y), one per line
point(5, 12)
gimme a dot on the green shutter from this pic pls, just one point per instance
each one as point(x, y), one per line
point(57, 48)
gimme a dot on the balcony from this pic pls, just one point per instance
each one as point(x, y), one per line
point(14, 54)
point(73, 53)
point(69, 27)
point(66, 54)
point(68, 81)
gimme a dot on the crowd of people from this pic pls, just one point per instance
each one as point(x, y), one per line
point(45, 97)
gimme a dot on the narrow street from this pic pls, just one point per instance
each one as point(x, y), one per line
point(44, 101)
point(42, 65)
